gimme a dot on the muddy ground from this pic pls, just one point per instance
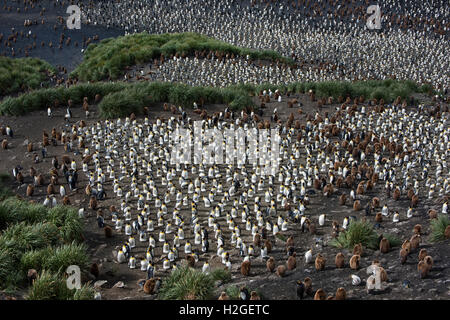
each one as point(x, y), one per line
point(436, 286)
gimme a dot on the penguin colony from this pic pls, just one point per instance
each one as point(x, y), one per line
point(166, 213)
point(329, 39)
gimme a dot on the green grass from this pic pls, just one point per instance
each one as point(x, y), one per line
point(233, 292)
point(51, 286)
point(23, 74)
point(438, 227)
point(393, 240)
point(122, 99)
point(33, 236)
point(109, 58)
point(223, 275)
point(357, 232)
point(187, 283)
point(55, 259)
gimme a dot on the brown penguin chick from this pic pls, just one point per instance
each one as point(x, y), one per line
point(383, 275)
point(375, 202)
point(281, 271)
point(19, 177)
point(66, 201)
point(406, 245)
point(93, 203)
point(447, 232)
point(432, 214)
point(354, 262)
point(50, 189)
point(40, 180)
point(150, 285)
point(94, 270)
point(328, 190)
point(341, 294)
point(429, 261)
point(30, 147)
point(320, 295)
point(414, 200)
point(4, 144)
point(268, 245)
point(396, 194)
point(290, 242)
point(339, 260)
point(308, 286)
point(417, 229)
point(422, 267)
point(245, 268)
point(292, 262)
point(257, 240)
point(360, 188)
point(415, 241)
point(30, 190)
point(422, 254)
point(108, 231)
point(378, 217)
point(312, 228)
point(384, 245)
point(223, 296)
point(270, 264)
point(358, 249)
point(254, 296)
point(342, 199)
point(356, 205)
point(403, 255)
point(88, 190)
point(31, 276)
point(190, 261)
point(320, 262)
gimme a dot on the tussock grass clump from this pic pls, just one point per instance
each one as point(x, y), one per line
point(68, 222)
point(109, 58)
point(186, 283)
point(51, 286)
point(14, 210)
point(23, 74)
point(233, 292)
point(357, 232)
point(41, 99)
point(223, 275)
point(56, 259)
point(122, 99)
point(33, 236)
point(438, 227)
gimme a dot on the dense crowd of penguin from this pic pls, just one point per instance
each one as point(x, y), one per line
point(329, 39)
point(167, 214)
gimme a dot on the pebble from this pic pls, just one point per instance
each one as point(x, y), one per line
point(98, 284)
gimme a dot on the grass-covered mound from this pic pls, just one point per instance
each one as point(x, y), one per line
point(109, 58)
point(438, 227)
point(362, 232)
point(185, 283)
point(50, 286)
point(23, 74)
point(47, 240)
point(121, 99)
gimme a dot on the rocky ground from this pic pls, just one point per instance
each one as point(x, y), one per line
point(435, 286)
